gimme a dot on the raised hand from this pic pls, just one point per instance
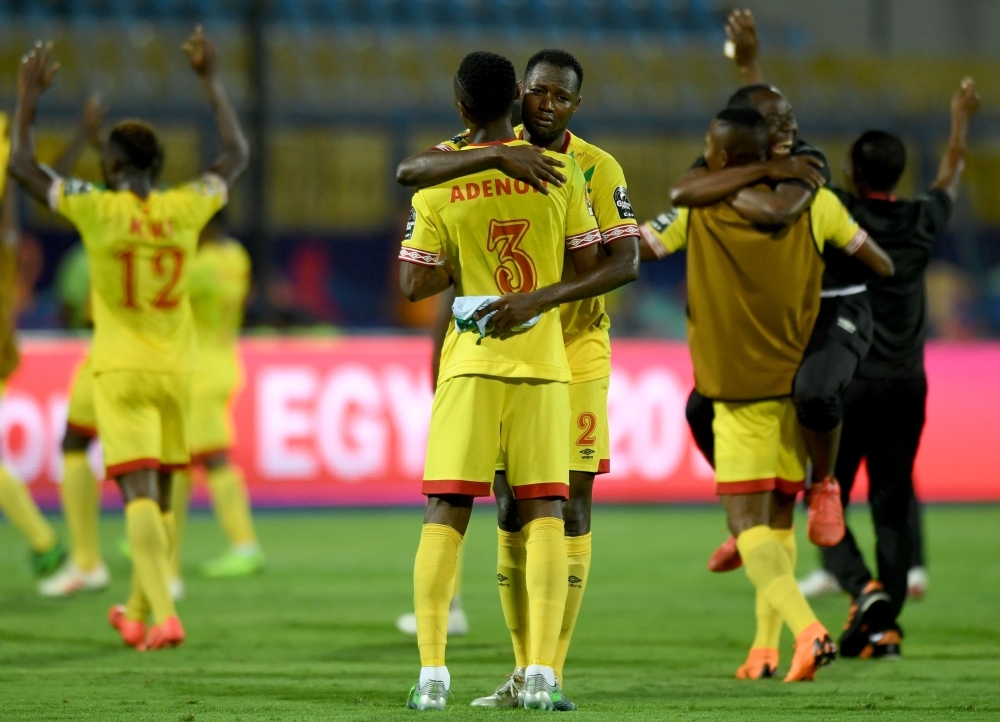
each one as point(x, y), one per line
point(36, 72)
point(742, 33)
point(201, 54)
point(965, 102)
point(531, 165)
point(92, 119)
point(800, 167)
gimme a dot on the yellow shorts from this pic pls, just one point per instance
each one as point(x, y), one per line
point(211, 428)
point(476, 417)
point(758, 447)
point(81, 417)
point(589, 439)
point(143, 418)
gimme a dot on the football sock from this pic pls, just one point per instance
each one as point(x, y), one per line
point(180, 501)
point(137, 606)
point(231, 504)
point(545, 579)
point(147, 536)
point(511, 562)
point(21, 510)
point(578, 558)
point(770, 570)
point(81, 502)
point(433, 587)
point(768, 618)
point(170, 527)
point(456, 597)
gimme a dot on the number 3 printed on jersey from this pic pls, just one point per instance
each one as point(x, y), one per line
point(516, 272)
point(167, 263)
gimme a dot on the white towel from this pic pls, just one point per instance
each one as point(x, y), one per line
point(465, 307)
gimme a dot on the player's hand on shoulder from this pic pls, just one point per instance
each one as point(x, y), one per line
point(201, 53)
point(37, 70)
point(799, 167)
point(966, 101)
point(512, 310)
point(530, 164)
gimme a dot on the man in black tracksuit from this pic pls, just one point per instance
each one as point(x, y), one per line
point(884, 407)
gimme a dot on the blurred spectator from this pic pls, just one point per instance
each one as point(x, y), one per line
point(72, 288)
point(951, 300)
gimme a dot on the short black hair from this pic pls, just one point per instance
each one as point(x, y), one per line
point(487, 85)
point(139, 144)
point(557, 59)
point(878, 158)
point(750, 140)
point(742, 98)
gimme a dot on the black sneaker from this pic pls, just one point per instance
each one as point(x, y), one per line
point(883, 645)
point(870, 614)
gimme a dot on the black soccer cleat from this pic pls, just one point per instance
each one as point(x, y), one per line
point(883, 645)
point(870, 614)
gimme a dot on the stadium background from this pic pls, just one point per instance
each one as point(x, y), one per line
point(336, 92)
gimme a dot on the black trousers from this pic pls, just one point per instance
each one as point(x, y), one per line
point(883, 422)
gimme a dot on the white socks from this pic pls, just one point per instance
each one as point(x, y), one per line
point(437, 674)
point(547, 672)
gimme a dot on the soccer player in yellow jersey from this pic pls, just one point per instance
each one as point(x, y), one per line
point(753, 298)
point(220, 280)
point(552, 85)
point(47, 552)
point(504, 389)
point(140, 243)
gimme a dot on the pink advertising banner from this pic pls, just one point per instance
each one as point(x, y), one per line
point(331, 422)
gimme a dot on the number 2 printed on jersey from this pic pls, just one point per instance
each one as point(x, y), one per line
point(516, 272)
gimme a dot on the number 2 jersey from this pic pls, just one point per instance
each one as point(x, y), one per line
point(140, 254)
point(502, 236)
point(586, 323)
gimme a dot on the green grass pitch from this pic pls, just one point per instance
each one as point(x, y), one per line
point(659, 637)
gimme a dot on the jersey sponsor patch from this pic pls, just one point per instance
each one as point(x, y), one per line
point(623, 204)
point(410, 223)
point(662, 222)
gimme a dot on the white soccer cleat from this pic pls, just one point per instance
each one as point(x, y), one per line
point(458, 623)
point(509, 695)
point(819, 583)
point(542, 691)
point(917, 582)
point(431, 691)
point(69, 580)
point(177, 589)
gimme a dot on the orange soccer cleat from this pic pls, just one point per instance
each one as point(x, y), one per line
point(825, 525)
point(161, 636)
point(133, 631)
point(813, 649)
point(762, 663)
point(726, 558)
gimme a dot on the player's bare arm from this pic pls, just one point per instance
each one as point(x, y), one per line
point(88, 133)
point(779, 207)
point(743, 46)
point(35, 75)
point(598, 272)
point(441, 323)
point(524, 162)
point(698, 187)
point(872, 255)
point(204, 60)
point(964, 105)
point(418, 282)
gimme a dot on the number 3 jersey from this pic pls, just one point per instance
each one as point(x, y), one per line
point(502, 236)
point(140, 253)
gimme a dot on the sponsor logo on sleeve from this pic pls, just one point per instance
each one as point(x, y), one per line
point(662, 222)
point(590, 208)
point(623, 204)
point(76, 187)
point(410, 223)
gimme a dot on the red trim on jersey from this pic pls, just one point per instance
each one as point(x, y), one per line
point(758, 485)
point(604, 466)
point(880, 196)
point(859, 240)
point(582, 240)
point(491, 142)
point(116, 470)
point(171, 468)
point(556, 490)
point(439, 487)
point(623, 230)
point(200, 456)
point(89, 431)
point(566, 140)
point(652, 241)
point(415, 255)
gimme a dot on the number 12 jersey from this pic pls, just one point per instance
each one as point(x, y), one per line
point(140, 253)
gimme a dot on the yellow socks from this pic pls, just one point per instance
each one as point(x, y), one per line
point(578, 557)
point(81, 501)
point(147, 536)
point(511, 563)
point(180, 500)
point(21, 510)
point(545, 579)
point(456, 596)
point(768, 618)
point(231, 504)
point(771, 572)
point(433, 588)
point(137, 607)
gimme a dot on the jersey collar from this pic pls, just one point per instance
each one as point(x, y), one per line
point(880, 196)
point(491, 142)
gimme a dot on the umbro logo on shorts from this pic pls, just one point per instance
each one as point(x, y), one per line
point(587, 452)
point(846, 325)
point(502, 579)
point(575, 581)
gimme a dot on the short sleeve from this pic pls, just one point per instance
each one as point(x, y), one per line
point(455, 143)
point(197, 202)
point(831, 223)
point(75, 200)
point(423, 240)
point(581, 226)
point(609, 198)
point(667, 233)
point(935, 212)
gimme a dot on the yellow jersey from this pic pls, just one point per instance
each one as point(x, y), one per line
point(753, 294)
point(220, 280)
point(502, 236)
point(140, 254)
point(9, 355)
point(586, 323)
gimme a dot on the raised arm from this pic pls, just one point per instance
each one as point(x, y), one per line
point(235, 149)
point(964, 105)
point(33, 78)
point(699, 187)
point(777, 207)
point(88, 133)
point(743, 46)
point(525, 162)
